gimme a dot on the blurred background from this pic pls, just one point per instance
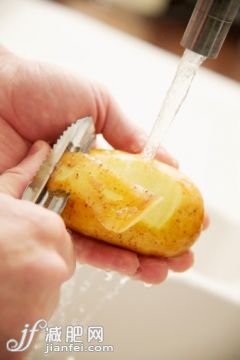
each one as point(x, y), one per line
point(162, 23)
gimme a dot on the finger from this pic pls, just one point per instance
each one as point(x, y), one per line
point(68, 253)
point(14, 181)
point(120, 132)
point(152, 270)
point(206, 222)
point(108, 257)
point(105, 256)
point(181, 263)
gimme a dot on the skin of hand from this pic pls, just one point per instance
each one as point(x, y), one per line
point(38, 101)
point(37, 257)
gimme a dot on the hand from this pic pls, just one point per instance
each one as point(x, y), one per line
point(38, 101)
point(37, 256)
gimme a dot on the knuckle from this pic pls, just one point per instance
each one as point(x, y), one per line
point(46, 224)
point(34, 228)
point(60, 271)
point(55, 225)
point(45, 270)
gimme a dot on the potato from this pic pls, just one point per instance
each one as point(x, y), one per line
point(120, 198)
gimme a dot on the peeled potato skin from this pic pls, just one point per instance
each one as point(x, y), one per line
point(173, 238)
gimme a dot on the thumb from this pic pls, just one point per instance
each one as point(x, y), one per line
point(14, 181)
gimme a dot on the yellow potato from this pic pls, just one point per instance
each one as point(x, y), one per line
point(122, 199)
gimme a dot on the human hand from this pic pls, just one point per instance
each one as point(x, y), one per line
point(38, 101)
point(36, 258)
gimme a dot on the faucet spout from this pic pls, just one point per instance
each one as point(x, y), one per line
point(209, 25)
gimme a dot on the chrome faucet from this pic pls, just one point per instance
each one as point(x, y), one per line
point(209, 25)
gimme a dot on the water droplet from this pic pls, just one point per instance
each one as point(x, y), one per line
point(108, 276)
point(147, 285)
point(124, 280)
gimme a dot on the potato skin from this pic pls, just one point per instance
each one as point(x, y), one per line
point(173, 238)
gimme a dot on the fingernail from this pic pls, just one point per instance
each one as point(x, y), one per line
point(36, 147)
point(163, 155)
point(175, 163)
point(138, 146)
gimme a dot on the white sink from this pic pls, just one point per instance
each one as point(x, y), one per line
point(195, 315)
point(217, 253)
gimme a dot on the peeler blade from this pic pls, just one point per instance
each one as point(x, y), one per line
point(77, 137)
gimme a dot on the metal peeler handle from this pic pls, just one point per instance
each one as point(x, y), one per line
point(78, 137)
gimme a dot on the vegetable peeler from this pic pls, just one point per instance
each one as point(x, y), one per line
point(77, 137)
